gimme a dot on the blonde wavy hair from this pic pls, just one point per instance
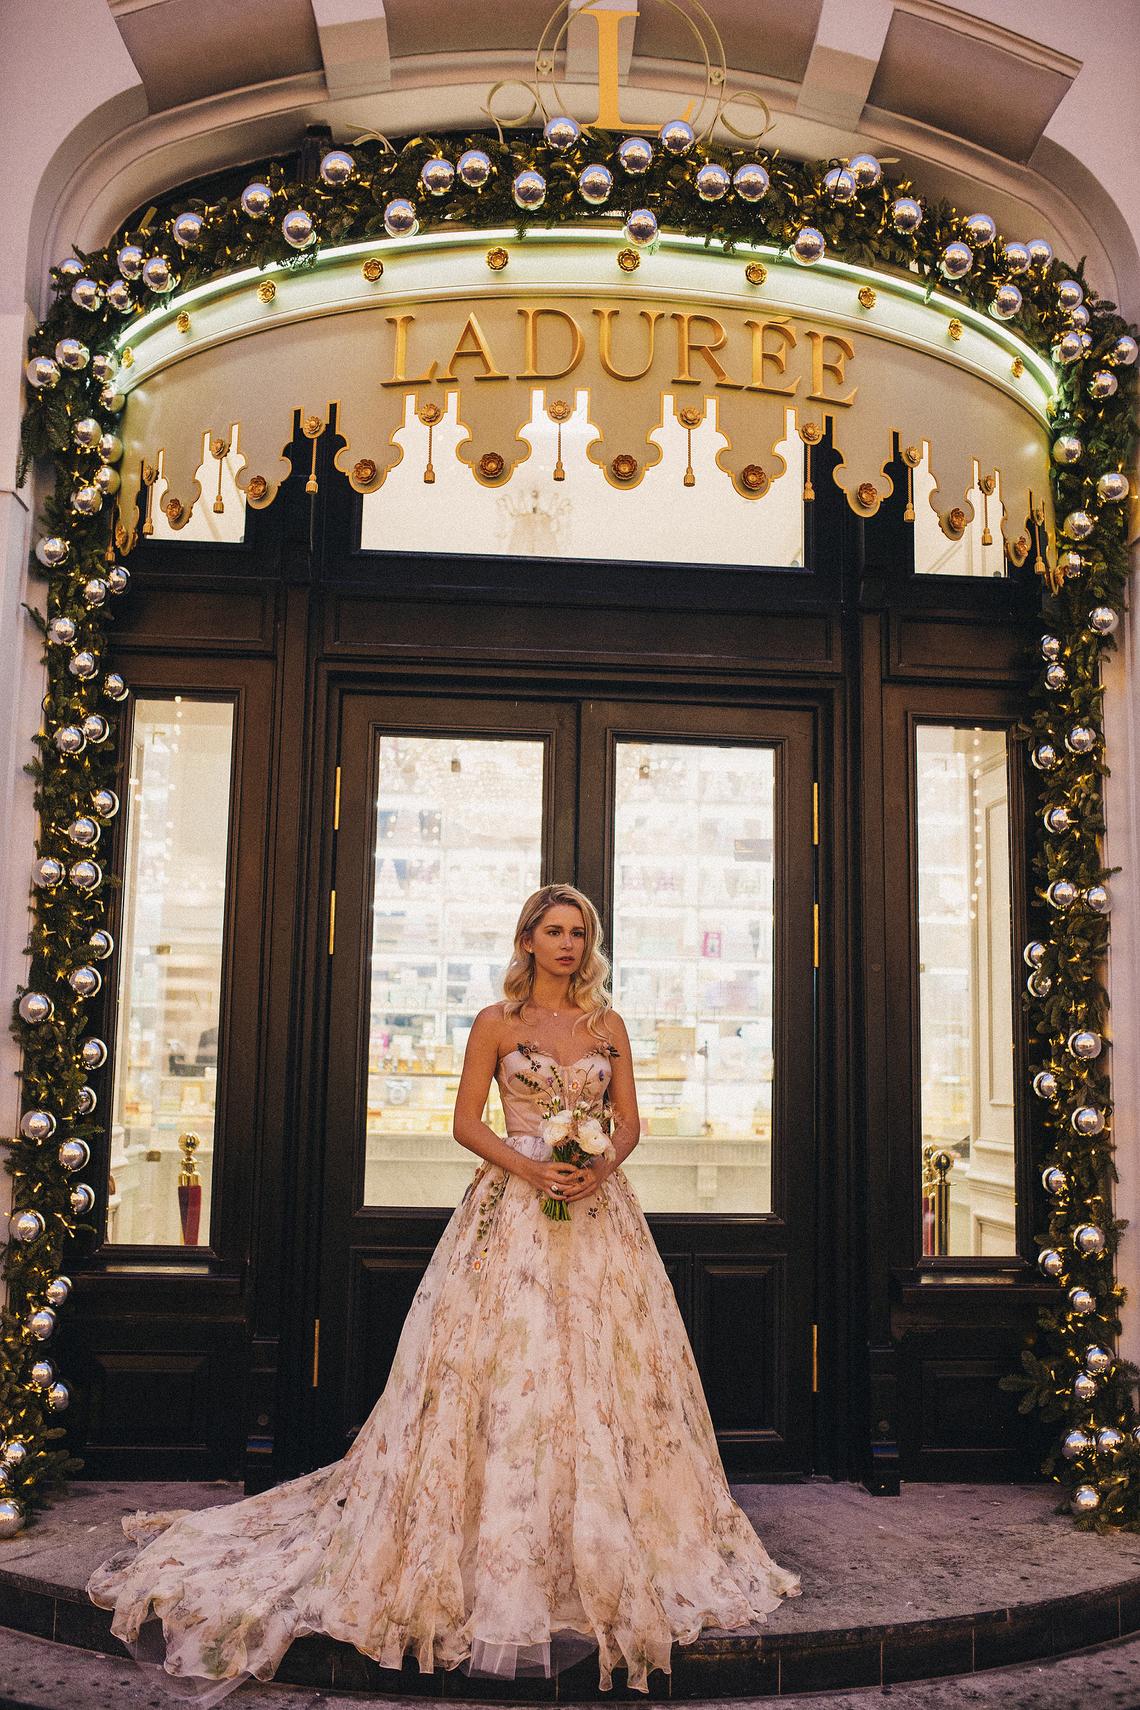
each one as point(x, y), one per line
point(587, 986)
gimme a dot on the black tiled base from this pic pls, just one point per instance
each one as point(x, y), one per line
point(720, 1667)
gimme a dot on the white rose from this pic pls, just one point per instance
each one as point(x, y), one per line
point(592, 1136)
point(555, 1129)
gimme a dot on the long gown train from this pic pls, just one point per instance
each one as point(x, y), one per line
point(539, 1477)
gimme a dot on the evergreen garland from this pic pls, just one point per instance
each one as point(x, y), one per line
point(71, 419)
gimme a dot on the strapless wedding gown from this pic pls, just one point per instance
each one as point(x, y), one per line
point(539, 1478)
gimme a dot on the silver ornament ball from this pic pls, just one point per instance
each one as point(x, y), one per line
point(84, 832)
point(14, 1452)
point(1108, 1439)
point(106, 479)
point(1078, 525)
point(114, 687)
point(42, 372)
point(1070, 294)
point(61, 631)
point(677, 136)
point(158, 275)
point(1039, 983)
point(980, 230)
point(118, 579)
point(109, 447)
point(1015, 257)
point(474, 168)
point(47, 873)
point(1068, 348)
point(105, 803)
point(86, 1100)
point(1056, 677)
point(1089, 1240)
point(74, 1154)
point(1057, 819)
point(1061, 894)
point(1075, 1444)
point(26, 1226)
point(130, 261)
point(1034, 953)
point(70, 739)
point(1070, 563)
point(336, 168)
point(957, 260)
point(297, 228)
point(42, 1323)
point(1050, 1262)
point(635, 155)
point(58, 1397)
point(11, 1517)
point(1053, 1179)
point(1097, 1360)
point(840, 184)
point(87, 501)
point(119, 296)
point(1087, 1121)
point(808, 246)
point(187, 230)
point(93, 1053)
point(562, 132)
point(94, 591)
point(95, 727)
point(86, 294)
point(85, 875)
point(101, 944)
point(85, 981)
point(1040, 252)
point(751, 181)
point(866, 170)
point(58, 1290)
point(906, 214)
point(1123, 352)
point(82, 1199)
point(641, 227)
point(1085, 1499)
point(52, 550)
point(1102, 385)
point(37, 1125)
point(1103, 619)
point(1067, 448)
point(70, 268)
point(437, 175)
point(1081, 739)
point(713, 182)
point(1081, 1301)
point(595, 182)
point(529, 189)
point(72, 354)
point(1112, 488)
point(400, 218)
point(1097, 898)
point(1006, 302)
point(256, 200)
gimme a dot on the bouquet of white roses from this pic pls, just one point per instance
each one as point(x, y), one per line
point(576, 1137)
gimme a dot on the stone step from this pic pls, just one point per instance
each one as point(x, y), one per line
point(944, 1580)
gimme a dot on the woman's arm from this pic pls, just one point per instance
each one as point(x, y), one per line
point(480, 1061)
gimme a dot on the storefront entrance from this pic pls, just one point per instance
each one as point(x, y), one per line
point(692, 828)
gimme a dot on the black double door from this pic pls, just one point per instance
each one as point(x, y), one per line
point(691, 827)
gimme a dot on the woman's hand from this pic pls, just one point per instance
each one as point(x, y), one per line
point(560, 1181)
point(591, 1175)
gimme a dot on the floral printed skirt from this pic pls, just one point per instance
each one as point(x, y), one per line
point(539, 1478)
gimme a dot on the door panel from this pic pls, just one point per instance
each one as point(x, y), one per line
point(697, 823)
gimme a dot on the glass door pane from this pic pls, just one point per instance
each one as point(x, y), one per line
point(458, 849)
point(693, 943)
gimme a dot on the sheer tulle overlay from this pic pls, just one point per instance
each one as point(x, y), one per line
point(539, 1478)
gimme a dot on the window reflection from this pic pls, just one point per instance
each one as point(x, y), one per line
point(965, 991)
point(169, 999)
point(458, 848)
point(693, 968)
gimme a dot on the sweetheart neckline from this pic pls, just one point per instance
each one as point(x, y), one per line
point(551, 1058)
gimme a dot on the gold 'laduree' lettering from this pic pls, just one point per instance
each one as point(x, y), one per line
point(532, 319)
point(605, 341)
point(472, 341)
point(821, 366)
point(762, 355)
point(689, 345)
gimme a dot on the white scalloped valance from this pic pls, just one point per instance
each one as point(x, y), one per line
point(446, 321)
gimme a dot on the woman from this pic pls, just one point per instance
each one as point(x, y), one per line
point(540, 1477)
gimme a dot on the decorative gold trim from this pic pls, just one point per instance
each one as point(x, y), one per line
point(491, 465)
point(1017, 368)
point(497, 258)
point(912, 457)
point(256, 489)
point(559, 411)
point(954, 328)
point(867, 296)
point(624, 466)
point(867, 494)
point(756, 273)
point(173, 509)
point(363, 475)
point(128, 357)
point(373, 269)
point(430, 414)
point(183, 321)
point(628, 260)
point(754, 479)
point(266, 291)
point(312, 427)
point(956, 520)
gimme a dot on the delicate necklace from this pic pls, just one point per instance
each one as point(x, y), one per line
point(545, 1010)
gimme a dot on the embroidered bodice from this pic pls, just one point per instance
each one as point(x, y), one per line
point(524, 1104)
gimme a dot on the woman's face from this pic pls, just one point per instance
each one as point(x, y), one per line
point(558, 941)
